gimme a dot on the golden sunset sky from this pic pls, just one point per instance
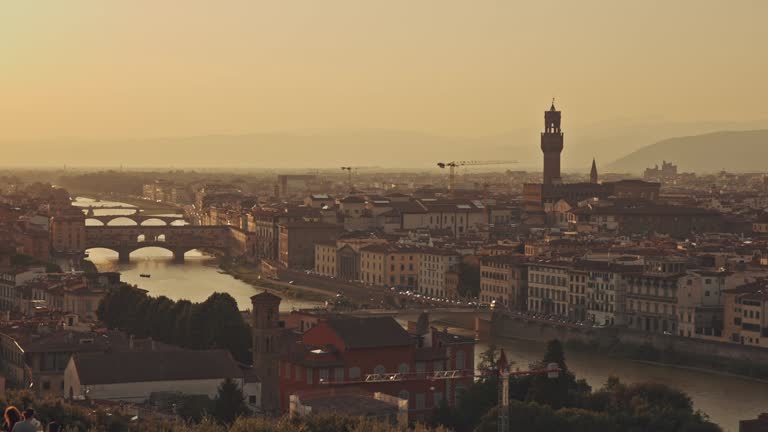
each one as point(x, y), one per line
point(150, 68)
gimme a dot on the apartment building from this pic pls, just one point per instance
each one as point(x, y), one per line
point(652, 296)
point(391, 265)
point(504, 279)
point(434, 265)
point(745, 310)
point(606, 289)
point(700, 312)
point(548, 287)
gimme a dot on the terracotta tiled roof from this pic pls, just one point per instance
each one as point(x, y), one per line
point(375, 332)
point(128, 367)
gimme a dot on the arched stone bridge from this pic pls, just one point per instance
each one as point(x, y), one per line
point(138, 218)
point(177, 239)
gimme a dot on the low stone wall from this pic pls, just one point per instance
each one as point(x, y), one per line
point(530, 329)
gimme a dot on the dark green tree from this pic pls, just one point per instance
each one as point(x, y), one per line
point(182, 320)
point(562, 391)
point(469, 279)
point(474, 402)
point(442, 415)
point(229, 403)
point(218, 323)
point(118, 307)
point(488, 359)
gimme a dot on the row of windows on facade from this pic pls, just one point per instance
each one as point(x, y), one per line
point(746, 313)
point(655, 324)
point(577, 300)
point(548, 279)
point(578, 289)
point(409, 281)
point(600, 296)
point(646, 307)
point(541, 305)
point(326, 258)
point(546, 293)
point(436, 219)
point(496, 275)
point(492, 287)
point(434, 292)
point(433, 258)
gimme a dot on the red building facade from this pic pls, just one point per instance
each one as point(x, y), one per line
point(378, 355)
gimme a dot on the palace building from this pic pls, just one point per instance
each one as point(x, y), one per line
point(540, 198)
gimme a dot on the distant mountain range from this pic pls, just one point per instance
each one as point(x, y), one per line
point(738, 151)
point(607, 141)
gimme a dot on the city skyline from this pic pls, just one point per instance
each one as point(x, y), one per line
point(432, 216)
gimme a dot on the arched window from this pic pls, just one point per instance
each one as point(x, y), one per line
point(403, 368)
point(379, 369)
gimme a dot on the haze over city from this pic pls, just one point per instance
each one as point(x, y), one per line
point(384, 216)
point(349, 77)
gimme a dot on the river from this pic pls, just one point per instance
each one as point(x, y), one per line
point(726, 399)
point(194, 280)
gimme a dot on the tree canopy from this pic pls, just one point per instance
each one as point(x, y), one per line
point(564, 404)
point(214, 323)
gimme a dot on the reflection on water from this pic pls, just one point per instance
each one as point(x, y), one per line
point(725, 399)
point(195, 280)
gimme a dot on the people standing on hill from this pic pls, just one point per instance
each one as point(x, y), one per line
point(29, 424)
point(11, 416)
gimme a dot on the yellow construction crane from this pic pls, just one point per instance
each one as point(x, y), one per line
point(455, 164)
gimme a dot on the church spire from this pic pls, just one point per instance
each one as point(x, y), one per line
point(593, 173)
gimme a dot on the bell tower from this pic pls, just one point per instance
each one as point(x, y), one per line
point(552, 145)
point(265, 330)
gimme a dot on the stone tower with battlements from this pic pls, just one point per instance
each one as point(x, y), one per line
point(552, 145)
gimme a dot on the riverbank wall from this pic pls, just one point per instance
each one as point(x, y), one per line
point(745, 360)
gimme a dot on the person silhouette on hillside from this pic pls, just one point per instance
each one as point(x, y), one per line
point(11, 416)
point(29, 424)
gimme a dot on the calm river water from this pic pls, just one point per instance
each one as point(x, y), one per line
point(194, 280)
point(725, 399)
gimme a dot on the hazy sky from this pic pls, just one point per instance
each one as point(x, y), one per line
point(144, 68)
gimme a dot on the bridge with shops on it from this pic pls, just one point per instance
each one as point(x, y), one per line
point(177, 239)
point(138, 217)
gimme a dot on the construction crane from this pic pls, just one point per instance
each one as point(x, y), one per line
point(502, 370)
point(349, 170)
point(455, 164)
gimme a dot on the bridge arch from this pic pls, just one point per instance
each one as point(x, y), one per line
point(122, 218)
point(92, 221)
point(154, 221)
point(177, 239)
